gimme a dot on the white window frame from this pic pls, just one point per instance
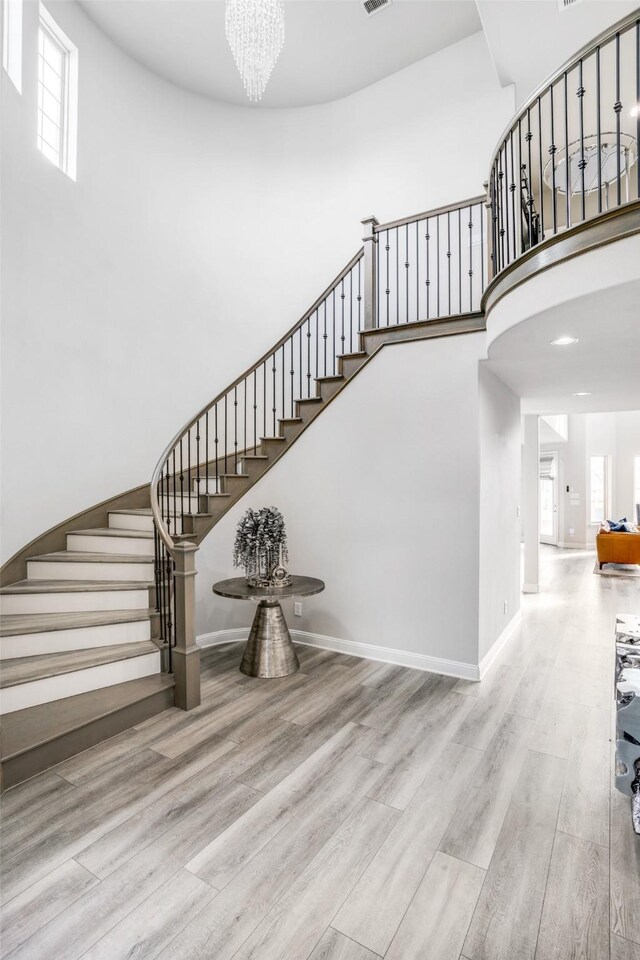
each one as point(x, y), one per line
point(69, 107)
point(606, 509)
point(12, 41)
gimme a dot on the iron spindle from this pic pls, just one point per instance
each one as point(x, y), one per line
point(528, 138)
point(427, 281)
point(226, 422)
point(189, 476)
point(470, 259)
point(449, 259)
point(417, 272)
point(255, 413)
point(309, 355)
point(617, 108)
point(324, 337)
point(438, 264)
point(582, 163)
point(598, 129)
point(512, 190)
point(273, 399)
point(638, 105)
point(552, 152)
point(292, 374)
point(567, 163)
point(175, 494)
point(387, 290)
point(459, 260)
point(264, 398)
point(333, 304)
point(540, 181)
point(406, 267)
point(300, 366)
point(397, 236)
point(198, 454)
point(342, 337)
point(283, 390)
point(181, 487)
point(206, 451)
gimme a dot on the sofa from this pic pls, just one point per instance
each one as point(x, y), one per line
point(618, 548)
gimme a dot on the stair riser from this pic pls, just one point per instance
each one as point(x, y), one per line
point(81, 681)
point(118, 545)
point(309, 411)
point(75, 601)
point(190, 504)
point(61, 570)
point(130, 521)
point(212, 485)
point(329, 387)
point(349, 367)
point(83, 638)
point(290, 430)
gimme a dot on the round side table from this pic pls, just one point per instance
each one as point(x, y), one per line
point(269, 651)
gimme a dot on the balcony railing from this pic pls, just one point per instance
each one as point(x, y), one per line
point(571, 153)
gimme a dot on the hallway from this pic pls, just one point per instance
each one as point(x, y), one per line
point(353, 811)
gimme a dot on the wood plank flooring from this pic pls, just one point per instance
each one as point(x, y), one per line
point(354, 811)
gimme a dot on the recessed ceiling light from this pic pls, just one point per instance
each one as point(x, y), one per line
point(564, 341)
point(583, 393)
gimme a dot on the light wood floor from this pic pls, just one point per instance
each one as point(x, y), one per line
point(350, 812)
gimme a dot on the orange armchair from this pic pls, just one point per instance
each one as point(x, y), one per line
point(618, 548)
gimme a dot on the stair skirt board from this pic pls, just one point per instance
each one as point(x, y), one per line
point(106, 570)
point(81, 601)
point(131, 521)
point(80, 638)
point(63, 685)
point(94, 543)
point(38, 757)
point(368, 651)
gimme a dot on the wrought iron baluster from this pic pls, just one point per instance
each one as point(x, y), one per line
point(309, 352)
point(417, 272)
point(567, 162)
point(598, 129)
point(387, 288)
point(540, 180)
point(552, 153)
point(427, 282)
point(273, 408)
point(255, 412)
point(512, 191)
point(618, 108)
point(459, 261)
point(582, 164)
point(181, 487)
point(406, 267)
point(226, 422)
point(215, 445)
point(342, 336)
point(470, 259)
point(198, 455)
point(292, 374)
point(449, 260)
point(438, 264)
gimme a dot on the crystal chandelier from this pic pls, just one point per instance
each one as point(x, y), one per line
point(255, 31)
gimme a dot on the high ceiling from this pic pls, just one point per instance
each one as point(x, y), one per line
point(332, 48)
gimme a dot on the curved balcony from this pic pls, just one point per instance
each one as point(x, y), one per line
point(565, 176)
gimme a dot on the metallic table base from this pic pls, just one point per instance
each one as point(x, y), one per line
point(269, 651)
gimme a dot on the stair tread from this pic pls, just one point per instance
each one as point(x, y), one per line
point(73, 586)
point(356, 353)
point(290, 420)
point(113, 532)
point(14, 624)
point(25, 729)
point(309, 400)
point(77, 556)
point(336, 376)
point(255, 456)
point(28, 669)
point(136, 511)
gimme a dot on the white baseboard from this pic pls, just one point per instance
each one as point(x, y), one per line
point(572, 545)
point(492, 654)
point(222, 636)
point(402, 658)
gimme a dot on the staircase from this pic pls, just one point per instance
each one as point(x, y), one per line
point(93, 636)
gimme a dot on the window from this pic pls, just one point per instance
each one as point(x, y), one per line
point(12, 41)
point(636, 487)
point(598, 488)
point(57, 95)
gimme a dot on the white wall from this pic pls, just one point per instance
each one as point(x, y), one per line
point(195, 234)
point(500, 464)
point(381, 500)
point(614, 435)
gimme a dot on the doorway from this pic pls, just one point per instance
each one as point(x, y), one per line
point(549, 498)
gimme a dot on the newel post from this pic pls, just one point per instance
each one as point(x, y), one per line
point(370, 292)
point(186, 653)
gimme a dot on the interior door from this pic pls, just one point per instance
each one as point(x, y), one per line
point(549, 498)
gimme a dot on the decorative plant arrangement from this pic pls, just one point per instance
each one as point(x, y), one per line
point(261, 548)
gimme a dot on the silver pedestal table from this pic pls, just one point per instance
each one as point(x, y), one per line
point(269, 651)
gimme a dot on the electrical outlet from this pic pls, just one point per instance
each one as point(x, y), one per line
point(297, 608)
point(505, 606)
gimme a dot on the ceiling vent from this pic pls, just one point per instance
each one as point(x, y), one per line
point(567, 4)
point(375, 6)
